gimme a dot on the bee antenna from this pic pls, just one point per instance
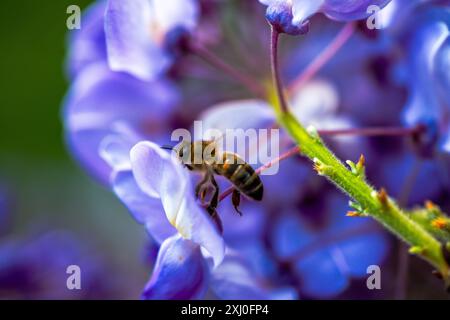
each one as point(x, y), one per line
point(167, 147)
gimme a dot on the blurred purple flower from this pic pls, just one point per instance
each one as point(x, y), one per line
point(430, 180)
point(36, 269)
point(107, 113)
point(315, 104)
point(88, 45)
point(325, 259)
point(101, 103)
point(428, 78)
point(157, 190)
point(347, 10)
point(291, 16)
point(159, 175)
point(137, 32)
point(180, 272)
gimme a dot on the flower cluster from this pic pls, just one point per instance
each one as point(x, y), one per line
point(136, 76)
point(34, 267)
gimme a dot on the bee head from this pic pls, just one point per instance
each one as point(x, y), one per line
point(183, 151)
point(195, 153)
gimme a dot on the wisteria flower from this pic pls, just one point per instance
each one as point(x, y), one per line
point(102, 103)
point(157, 191)
point(428, 62)
point(127, 95)
point(316, 104)
point(291, 16)
point(430, 180)
point(88, 45)
point(137, 32)
point(326, 258)
point(35, 268)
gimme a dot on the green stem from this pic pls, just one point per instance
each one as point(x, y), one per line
point(352, 181)
point(373, 203)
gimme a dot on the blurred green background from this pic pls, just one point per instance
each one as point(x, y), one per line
point(49, 191)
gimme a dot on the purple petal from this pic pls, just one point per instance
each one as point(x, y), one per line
point(445, 144)
point(150, 164)
point(290, 235)
point(234, 279)
point(289, 170)
point(362, 251)
point(88, 45)
point(286, 17)
point(423, 105)
point(361, 241)
point(115, 150)
point(441, 67)
point(35, 268)
point(101, 103)
point(131, 47)
point(241, 229)
point(176, 13)
point(288, 14)
point(262, 262)
point(327, 258)
point(159, 174)
point(429, 180)
point(180, 272)
point(146, 210)
point(303, 9)
point(323, 274)
point(348, 10)
point(253, 114)
point(314, 102)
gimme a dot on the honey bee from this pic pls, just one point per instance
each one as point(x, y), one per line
point(204, 156)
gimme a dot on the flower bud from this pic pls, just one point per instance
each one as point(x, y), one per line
point(280, 16)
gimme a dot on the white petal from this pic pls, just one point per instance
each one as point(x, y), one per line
point(303, 9)
point(170, 14)
point(315, 100)
point(160, 175)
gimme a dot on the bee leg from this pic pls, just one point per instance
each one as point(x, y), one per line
point(236, 200)
point(215, 198)
point(202, 187)
point(211, 210)
point(213, 205)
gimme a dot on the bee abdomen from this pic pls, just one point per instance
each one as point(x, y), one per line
point(250, 184)
point(243, 177)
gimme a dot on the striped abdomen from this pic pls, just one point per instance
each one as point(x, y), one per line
point(241, 175)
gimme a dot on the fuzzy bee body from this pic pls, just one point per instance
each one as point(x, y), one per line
point(203, 156)
point(241, 175)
